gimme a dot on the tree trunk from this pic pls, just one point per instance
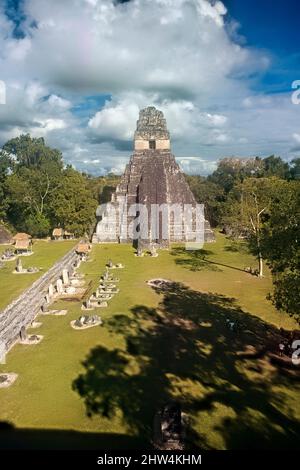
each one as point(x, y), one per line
point(260, 262)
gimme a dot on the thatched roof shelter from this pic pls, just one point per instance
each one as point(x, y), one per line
point(83, 248)
point(58, 232)
point(68, 234)
point(22, 245)
point(21, 236)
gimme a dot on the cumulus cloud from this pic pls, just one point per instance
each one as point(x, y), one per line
point(296, 137)
point(178, 55)
point(296, 146)
point(32, 108)
point(116, 121)
point(170, 47)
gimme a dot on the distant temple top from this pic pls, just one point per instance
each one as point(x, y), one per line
point(151, 132)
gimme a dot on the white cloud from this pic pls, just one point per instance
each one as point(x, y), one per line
point(296, 137)
point(216, 119)
point(174, 54)
point(32, 108)
point(222, 138)
point(56, 102)
point(117, 119)
point(47, 125)
point(214, 12)
point(108, 47)
point(115, 122)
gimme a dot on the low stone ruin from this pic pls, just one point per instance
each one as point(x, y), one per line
point(106, 290)
point(20, 270)
point(106, 295)
point(153, 251)
point(150, 252)
point(250, 270)
point(87, 305)
point(160, 283)
point(29, 339)
point(77, 282)
point(139, 253)
point(71, 290)
point(54, 312)
point(6, 380)
point(86, 321)
point(32, 339)
point(91, 304)
point(110, 265)
point(8, 255)
point(107, 285)
point(107, 277)
point(67, 287)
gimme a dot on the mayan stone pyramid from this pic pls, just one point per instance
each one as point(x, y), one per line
point(152, 177)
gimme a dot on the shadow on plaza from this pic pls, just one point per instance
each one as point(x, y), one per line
point(185, 350)
point(196, 260)
point(56, 439)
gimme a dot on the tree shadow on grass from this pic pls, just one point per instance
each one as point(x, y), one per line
point(196, 260)
point(236, 246)
point(184, 350)
point(58, 439)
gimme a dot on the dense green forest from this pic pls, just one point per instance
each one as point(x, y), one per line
point(257, 199)
point(38, 193)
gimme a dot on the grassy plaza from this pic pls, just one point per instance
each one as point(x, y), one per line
point(104, 385)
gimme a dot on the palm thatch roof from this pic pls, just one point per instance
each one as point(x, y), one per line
point(83, 248)
point(57, 232)
point(21, 236)
point(22, 244)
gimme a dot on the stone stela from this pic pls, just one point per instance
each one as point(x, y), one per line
point(151, 178)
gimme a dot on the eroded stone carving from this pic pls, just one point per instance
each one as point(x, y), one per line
point(151, 125)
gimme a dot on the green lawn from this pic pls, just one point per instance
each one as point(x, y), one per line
point(45, 254)
point(101, 387)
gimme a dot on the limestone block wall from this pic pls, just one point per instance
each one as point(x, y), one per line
point(22, 311)
point(141, 145)
point(160, 144)
point(163, 144)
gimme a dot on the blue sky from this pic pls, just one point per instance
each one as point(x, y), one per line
point(77, 74)
point(272, 25)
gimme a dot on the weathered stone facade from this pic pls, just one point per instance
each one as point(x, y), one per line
point(152, 177)
point(151, 131)
point(22, 311)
